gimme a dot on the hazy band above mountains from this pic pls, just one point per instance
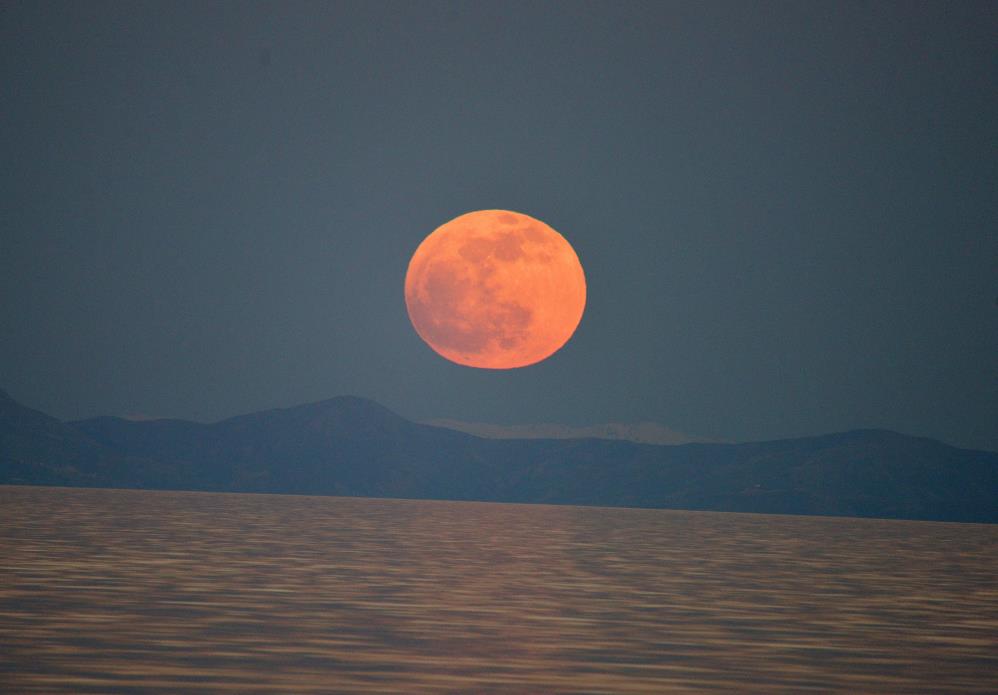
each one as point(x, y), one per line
point(640, 432)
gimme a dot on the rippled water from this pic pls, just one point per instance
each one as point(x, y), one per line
point(162, 592)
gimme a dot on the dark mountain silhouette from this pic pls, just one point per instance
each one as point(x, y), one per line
point(355, 447)
point(36, 449)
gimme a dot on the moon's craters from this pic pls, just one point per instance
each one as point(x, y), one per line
point(462, 313)
point(495, 289)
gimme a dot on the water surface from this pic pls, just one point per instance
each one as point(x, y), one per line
point(169, 592)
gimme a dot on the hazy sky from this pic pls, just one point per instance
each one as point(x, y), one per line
point(786, 211)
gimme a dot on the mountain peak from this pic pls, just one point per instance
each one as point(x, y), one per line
point(340, 413)
point(344, 402)
point(337, 406)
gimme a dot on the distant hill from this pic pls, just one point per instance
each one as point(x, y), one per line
point(355, 447)
point(36, 449)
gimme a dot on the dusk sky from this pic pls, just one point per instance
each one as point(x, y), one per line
point(786, 212)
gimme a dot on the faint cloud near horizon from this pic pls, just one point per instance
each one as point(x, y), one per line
point(140, 417)
point(640, 433)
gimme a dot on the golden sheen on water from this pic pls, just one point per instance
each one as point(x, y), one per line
point(164, 592)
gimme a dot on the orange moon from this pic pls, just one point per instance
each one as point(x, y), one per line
point(495, 289)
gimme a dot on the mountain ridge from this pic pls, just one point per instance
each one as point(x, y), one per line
point(352, 446)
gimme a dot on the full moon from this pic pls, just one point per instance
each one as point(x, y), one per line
point(495, 289)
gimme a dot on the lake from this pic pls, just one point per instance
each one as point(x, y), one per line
point(175, 592)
